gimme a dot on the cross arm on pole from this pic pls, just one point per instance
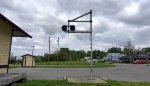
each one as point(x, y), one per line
point(81, 16)
point(80, 21)
point(79, 32)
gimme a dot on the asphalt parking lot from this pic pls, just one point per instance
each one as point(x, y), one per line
point(122, 72)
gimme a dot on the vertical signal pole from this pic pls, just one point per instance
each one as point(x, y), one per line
point(91, 44)
point(49, 50)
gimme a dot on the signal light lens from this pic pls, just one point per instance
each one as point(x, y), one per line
point(72, 28)
point(64, 28)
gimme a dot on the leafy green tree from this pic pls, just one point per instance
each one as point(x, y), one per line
point(77, 55)
point(138, 52)
point(102, 54)
point(114, 50)
point(81, 54)
point(73, 55)
point(146, 51)
point(19, 60)
point(13, 59)
point(39, 58)
point(88, 53)
point(94, 54)
point(65, 53)
point(128, 52)
point(53, 57)
point(97, 54)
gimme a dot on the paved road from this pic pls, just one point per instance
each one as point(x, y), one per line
point(122, 72)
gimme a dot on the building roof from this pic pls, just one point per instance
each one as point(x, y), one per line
point(17, 31)
point(27, 55)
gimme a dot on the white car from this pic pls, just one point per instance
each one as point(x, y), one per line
point(94, 60)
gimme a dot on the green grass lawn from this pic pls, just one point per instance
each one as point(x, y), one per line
point(65, 83)
point(67, 64)
point(14, 66)
point(75, 66)
point(72, 64)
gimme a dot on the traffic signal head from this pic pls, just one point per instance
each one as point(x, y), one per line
point(72, 28)
point(64, 28)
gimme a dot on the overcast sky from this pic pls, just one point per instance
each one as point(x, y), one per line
point(114, 22)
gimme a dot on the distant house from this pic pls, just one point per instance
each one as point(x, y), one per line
point(113, 57)
point(8, 30)
point(28, 60)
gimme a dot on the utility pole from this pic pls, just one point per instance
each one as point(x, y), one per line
point(129, 47)
point(49, 50)
point(58, 43)
point(32, 54)
point(32, 49)
point(58, 49)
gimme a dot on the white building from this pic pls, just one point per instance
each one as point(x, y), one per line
point(113, 57)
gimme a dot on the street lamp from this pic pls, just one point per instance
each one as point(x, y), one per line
point(71, 29)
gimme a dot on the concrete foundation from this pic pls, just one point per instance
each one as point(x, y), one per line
point(86, 79)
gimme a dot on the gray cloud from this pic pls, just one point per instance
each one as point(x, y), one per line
point(138, 13)
point(114, 22)
point(142, 36)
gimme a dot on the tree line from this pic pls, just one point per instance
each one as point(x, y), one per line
point(71, 55)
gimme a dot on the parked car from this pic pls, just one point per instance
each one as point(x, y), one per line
point(140, 61)
point(94, 60)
